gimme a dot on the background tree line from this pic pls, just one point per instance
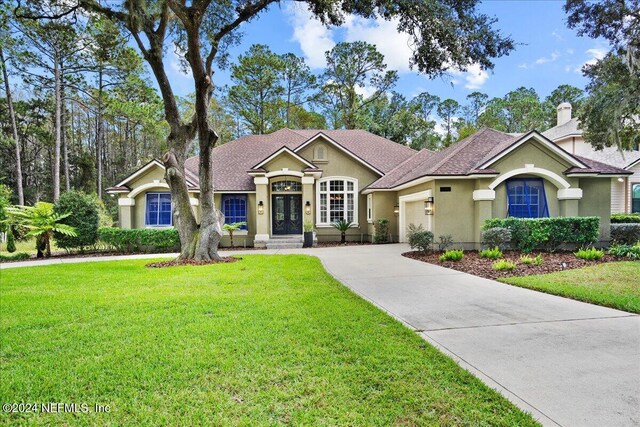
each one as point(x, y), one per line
point(83, 114)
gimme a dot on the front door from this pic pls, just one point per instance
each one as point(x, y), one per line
point(287, 214)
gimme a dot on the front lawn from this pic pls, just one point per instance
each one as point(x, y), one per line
point(264, 341)
point(614, 285)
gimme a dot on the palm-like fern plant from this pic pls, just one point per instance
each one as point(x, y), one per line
point(41, 221)
point(342, 225)
point(230, 228)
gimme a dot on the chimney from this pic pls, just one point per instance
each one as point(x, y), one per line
point(564, 113)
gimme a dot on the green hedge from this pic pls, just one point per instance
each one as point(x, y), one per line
point(625, 233)
point(140, 240)
point(625, 218)
point(528, 234)
point(18, 256)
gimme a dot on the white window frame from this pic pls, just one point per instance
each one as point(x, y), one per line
point(345, 192)
point(370, 208)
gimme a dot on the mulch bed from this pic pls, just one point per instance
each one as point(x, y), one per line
point(483, 267)
point(183, 262)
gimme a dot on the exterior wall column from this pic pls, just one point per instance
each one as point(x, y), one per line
point(125, 211)
point(568, 199)
point(483, 210)
point(308, 195)
point(262, 220)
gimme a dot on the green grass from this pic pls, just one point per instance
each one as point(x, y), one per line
point(610, 284)
point(269, 340)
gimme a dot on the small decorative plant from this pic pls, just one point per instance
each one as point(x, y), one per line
point(445, 242)
point(590, 254)
point(11, 241)
point(528, 260)
point(381, 231)
point(419, 238)
point(627, 251)
point(496, 237)
point(504, 265)
point(494, 253)
point(307, 226)
point(231, 228)
point(452, 255)
point(342, 225)
point(538, 260)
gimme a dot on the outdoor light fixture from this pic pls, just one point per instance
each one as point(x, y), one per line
point(620, 179)
point(428, 206)
point(396, 210)
point(260, 207)
point(563, 265)
point(307, 208)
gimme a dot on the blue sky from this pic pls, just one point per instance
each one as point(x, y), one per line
point(548, 54)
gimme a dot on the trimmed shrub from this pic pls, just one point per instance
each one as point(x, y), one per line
point(381, 231)
point(140, 240)
point(83, 218)
point(419, 238)
point(445, 242)
point(11, 241)
point(627, 251)
point(496, 237)
point(504, 265)
point(625, 233)
point(528, 234)
point(591, 254)
point(625, 218)
point(494, 253)
point(452, 255)
point(18, 256)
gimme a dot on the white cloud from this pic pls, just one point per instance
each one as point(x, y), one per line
point(394, 45)
point(365, 91)
point(524, 65)
point(554, 55)
point(570, 51)
point(313, 37)
point(595, 54)
point(475, 77)
point(178, 64)
point(556, 35)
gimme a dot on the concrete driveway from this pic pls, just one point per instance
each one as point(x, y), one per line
point(568, 363)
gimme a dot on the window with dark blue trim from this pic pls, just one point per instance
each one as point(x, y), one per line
point(526, 198)
point(158, 211)
point(234, 207)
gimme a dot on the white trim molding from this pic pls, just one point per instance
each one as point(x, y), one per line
point(284, 172)
point(479, 195)
point(570, 194)
point(355, 192)
point(261, 180)
point(147, 186)
point(402, 202)
point(126, 201)
point(288, 151)
point(308, 180)
point(529, 169)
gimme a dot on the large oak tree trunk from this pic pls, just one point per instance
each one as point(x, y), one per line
point(58, 128)
point(14, 128)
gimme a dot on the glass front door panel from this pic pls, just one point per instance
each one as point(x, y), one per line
point(287, 214)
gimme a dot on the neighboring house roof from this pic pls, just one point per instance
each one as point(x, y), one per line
point(609, 155)
point(232, 160)
point(564, 130)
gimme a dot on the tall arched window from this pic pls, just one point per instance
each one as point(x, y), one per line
point(527, 198)
point(337, 198)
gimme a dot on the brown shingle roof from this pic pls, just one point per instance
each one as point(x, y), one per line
point(597, 168)
point(462, 158)
point(231, 161)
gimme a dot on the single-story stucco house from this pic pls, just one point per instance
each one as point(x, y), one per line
point(625, 191)
point(276, 182)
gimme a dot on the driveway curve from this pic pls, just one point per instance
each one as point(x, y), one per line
point(568, 363)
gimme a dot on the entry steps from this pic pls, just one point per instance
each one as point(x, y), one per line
point(285, 242)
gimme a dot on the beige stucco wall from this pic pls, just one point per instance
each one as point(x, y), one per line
point(383, 206)
point(596, 201)
point(339, 164)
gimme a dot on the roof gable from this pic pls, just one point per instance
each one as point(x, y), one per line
point(535, 135)
point(284, 151)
